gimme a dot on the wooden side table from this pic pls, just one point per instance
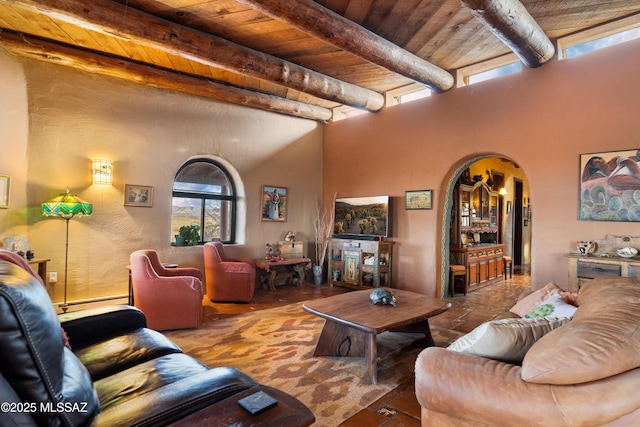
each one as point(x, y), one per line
point(42, 266)
point(282, 268)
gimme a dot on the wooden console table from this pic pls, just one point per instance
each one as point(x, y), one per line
point(42, 266)
point(282, 268)
point(604, 262)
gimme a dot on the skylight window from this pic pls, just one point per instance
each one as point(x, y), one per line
point(613, 39)
point(494, 73)
point(413, 96)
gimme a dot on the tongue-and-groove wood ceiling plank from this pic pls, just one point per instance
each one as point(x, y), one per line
point(303, 64)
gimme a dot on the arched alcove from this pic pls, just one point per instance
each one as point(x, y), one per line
point(511, 173)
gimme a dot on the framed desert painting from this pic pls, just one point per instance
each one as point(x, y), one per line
point(610, 186)
point(418, 199)
point(274, 203)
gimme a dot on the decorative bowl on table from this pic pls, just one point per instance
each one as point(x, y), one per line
point(626, 252)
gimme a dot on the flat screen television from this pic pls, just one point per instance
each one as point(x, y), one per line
point(361, 217)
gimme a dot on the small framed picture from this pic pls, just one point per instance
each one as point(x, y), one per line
point(274, 204)
point(5, 186)
point(138, 195)
point(418, 199)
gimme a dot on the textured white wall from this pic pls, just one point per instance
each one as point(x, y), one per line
point(148, 134)
point(14, 131)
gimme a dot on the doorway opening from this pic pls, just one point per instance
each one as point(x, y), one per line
point(512, 227)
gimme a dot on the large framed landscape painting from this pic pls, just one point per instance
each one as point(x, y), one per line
point(610, 186)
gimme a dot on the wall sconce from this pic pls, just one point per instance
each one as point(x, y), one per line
point(503, 191)
point(102, 171)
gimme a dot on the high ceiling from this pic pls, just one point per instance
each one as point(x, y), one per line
point(299, 57)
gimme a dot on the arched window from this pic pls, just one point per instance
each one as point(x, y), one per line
point(204, 195)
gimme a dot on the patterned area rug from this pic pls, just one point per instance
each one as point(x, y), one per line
point(275, 347)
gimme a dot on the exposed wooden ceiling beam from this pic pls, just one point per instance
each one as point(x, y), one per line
point(512, 23)
point(33, 48)
point(134, 26)
point(322, 23)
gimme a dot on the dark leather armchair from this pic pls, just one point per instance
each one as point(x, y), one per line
point(228, 279)
point(169, 302)
point(120, 373)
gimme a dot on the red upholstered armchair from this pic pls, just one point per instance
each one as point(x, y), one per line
point(168, 302)
point(228, 279)
point(159, 268)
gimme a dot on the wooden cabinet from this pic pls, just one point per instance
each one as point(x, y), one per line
point(483, 262)
point(360, 264)
point(474, 215)
point(474, 234)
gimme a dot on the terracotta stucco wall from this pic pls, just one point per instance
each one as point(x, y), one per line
point(542, 119)
point(148, 134)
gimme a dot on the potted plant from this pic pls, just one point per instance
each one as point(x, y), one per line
point(190, 234)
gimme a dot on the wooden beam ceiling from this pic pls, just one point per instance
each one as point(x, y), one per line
point(511, 23)
point(324, 24)
point(134, 26)
point(163, 79)
point(306, 58)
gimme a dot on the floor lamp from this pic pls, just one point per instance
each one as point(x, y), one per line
point(66, 206)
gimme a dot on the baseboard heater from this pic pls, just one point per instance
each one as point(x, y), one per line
point(91, 300)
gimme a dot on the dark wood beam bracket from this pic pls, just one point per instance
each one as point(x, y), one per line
point(107, 17)
point(41, 50)
point(512, 23)
point(322, 23)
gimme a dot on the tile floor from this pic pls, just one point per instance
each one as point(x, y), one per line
point(399, 407)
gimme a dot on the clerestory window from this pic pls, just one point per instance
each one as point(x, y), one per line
point(204, 195)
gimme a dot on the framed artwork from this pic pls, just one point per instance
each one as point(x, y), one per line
point(5, 186)
point(509, 206)
point(274, 204)
point(418, 199)
point(610, 186)
point(138, 195)
point(351, 262)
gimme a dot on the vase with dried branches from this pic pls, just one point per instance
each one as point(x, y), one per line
point(323, 227)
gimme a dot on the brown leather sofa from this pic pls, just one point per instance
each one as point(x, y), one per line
point(585, 373)
point(114, 371)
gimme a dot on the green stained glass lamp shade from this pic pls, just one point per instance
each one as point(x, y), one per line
point(66, 206)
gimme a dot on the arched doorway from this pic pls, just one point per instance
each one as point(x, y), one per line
point(514, 219)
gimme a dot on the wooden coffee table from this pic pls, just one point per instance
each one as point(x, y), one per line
point(352, 323)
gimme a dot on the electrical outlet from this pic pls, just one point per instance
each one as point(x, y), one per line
point(53, 277)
